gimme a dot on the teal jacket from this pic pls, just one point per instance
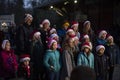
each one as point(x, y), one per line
point(85, 60)
point(52, 60)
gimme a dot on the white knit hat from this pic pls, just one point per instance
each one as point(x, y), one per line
point(85, 36)
point(86, 22)
point(53, 36)
point(52, 30)
point(28, 16)
point(46, 21)
point(4, 43)
point(36, 34)
point(99, 47)
point(102, 32)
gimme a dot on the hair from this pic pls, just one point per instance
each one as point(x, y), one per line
point(83, 73)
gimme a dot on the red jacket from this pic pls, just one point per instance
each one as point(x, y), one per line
point(8, 65)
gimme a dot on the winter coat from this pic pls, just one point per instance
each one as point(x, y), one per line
point(24, 71)
point(113, 53)
point(85, 60)
point(8, 64)
point(101, 42)
point(37, 54)
point(68, 64)
point(52, 58)
point(101, 66)
point(23, 40)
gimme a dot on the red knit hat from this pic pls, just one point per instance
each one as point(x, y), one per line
point(24, 57)
point(108, 36)
point(85, 45)
point(74, 23)
point(102, 32)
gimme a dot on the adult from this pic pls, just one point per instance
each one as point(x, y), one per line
point(113, 53)
point(23, 33)
point(67, 59)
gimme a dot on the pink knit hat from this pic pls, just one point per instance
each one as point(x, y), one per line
point(74, 24)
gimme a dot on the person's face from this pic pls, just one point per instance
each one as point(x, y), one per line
point(75, 28)
point(76, 42)
point(88, 26)
point(46, 26)
point(101, 51)
point(26, 62)
point(54, 46)
point(7, 47)
point(29, 21)
point(87, 40)
point(103, 36)
point(86, 50)
point(111, 40)
point(71, 44)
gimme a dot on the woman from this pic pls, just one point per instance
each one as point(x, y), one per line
point(68, 59)
point(8, 66)
point(52, 61)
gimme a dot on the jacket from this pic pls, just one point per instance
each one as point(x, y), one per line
point(85, 60)
point(8, 63)
point(52, 58)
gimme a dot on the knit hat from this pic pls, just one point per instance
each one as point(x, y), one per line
point(74, 24)
point(52, 30)
point(4, 43)
point(85, 45)
point(51, 42)
point(102, 32)
point(109, 37)
point(99, 47)
point(75, 38)
point(46, 21)
point(53, 36)
point(85, 36)
point(86, 22)
point(24, 57)
point(66, 24)
point(28, 16)
point(70, 30)
point(35, 33)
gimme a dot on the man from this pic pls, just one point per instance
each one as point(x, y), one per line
point(23, 35)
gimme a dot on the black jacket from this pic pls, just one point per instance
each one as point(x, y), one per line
point(23, 40)
point(113, 54)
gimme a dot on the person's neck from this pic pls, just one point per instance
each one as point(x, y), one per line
point(111, 43)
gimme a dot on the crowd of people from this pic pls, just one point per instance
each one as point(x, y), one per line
point(47, 53)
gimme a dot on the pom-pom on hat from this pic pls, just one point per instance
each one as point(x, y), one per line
point(85, 36)
point(99, 47)
point(24, 57)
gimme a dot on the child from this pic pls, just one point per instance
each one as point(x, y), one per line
point(86, 58)
point(52, 61)
point(24, 67)
point(101, 63)
point(8, 66)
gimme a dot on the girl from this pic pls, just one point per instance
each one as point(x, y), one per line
point(24, 67)
point(8, 66)
point(86, 58)
point(52, 61)
point(101, 63)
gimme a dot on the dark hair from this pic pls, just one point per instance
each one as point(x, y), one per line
point(83, 73)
